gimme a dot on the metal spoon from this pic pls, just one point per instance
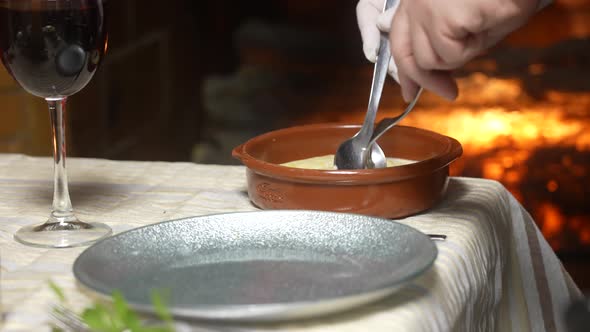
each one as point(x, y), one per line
point(387, 123)
point(354, 152)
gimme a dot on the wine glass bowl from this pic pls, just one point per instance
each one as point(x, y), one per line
point(52, 48)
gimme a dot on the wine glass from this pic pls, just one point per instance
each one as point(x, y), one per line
point(52, 48)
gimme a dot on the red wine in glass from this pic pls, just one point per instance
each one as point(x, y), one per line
point(52, 48)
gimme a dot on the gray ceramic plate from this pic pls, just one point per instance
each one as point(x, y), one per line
point(258, 266)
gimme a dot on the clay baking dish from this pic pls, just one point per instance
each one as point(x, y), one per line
point(388, 192)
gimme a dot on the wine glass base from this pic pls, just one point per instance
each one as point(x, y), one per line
point(55, 234)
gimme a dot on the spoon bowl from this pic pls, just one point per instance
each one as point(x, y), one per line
point(350, 147)
point(376, 159)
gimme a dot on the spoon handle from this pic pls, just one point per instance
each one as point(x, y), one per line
point(386, 124)
point(379, 75)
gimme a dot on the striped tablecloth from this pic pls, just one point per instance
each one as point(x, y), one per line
point(494, 272)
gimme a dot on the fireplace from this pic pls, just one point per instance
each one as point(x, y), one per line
point(522, 114)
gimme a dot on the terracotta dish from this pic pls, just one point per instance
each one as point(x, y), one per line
point(388, 192)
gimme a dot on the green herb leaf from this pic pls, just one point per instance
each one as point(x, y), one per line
point(119, 317)
point(55, 288)
point(160, 307)
point(127, 317)
point(100, 319)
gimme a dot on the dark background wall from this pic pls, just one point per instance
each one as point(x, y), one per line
point(147, 101)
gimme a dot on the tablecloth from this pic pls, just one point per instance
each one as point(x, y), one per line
point(495, 271)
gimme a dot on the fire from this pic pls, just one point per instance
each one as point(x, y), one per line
point(484, 129)
point(553, 221)
point(552, 186)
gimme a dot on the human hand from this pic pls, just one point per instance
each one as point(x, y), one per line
point(430, 38)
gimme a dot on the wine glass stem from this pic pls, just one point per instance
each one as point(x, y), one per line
point(62, 206)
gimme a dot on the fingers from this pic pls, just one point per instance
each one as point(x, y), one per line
point(455, 52)
point(401, 49)
point(392, 69)
point(411, 75)
point(409, 87)
point(424, 53)
point(367, 12)
point(460, 33)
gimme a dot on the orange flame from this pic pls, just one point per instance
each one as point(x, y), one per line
point(553, 219)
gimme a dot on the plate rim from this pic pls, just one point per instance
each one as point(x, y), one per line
point(204, 311)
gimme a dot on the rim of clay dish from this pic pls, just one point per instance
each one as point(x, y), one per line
point(451, 150)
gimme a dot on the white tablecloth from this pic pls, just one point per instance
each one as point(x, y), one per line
point(495, 271)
